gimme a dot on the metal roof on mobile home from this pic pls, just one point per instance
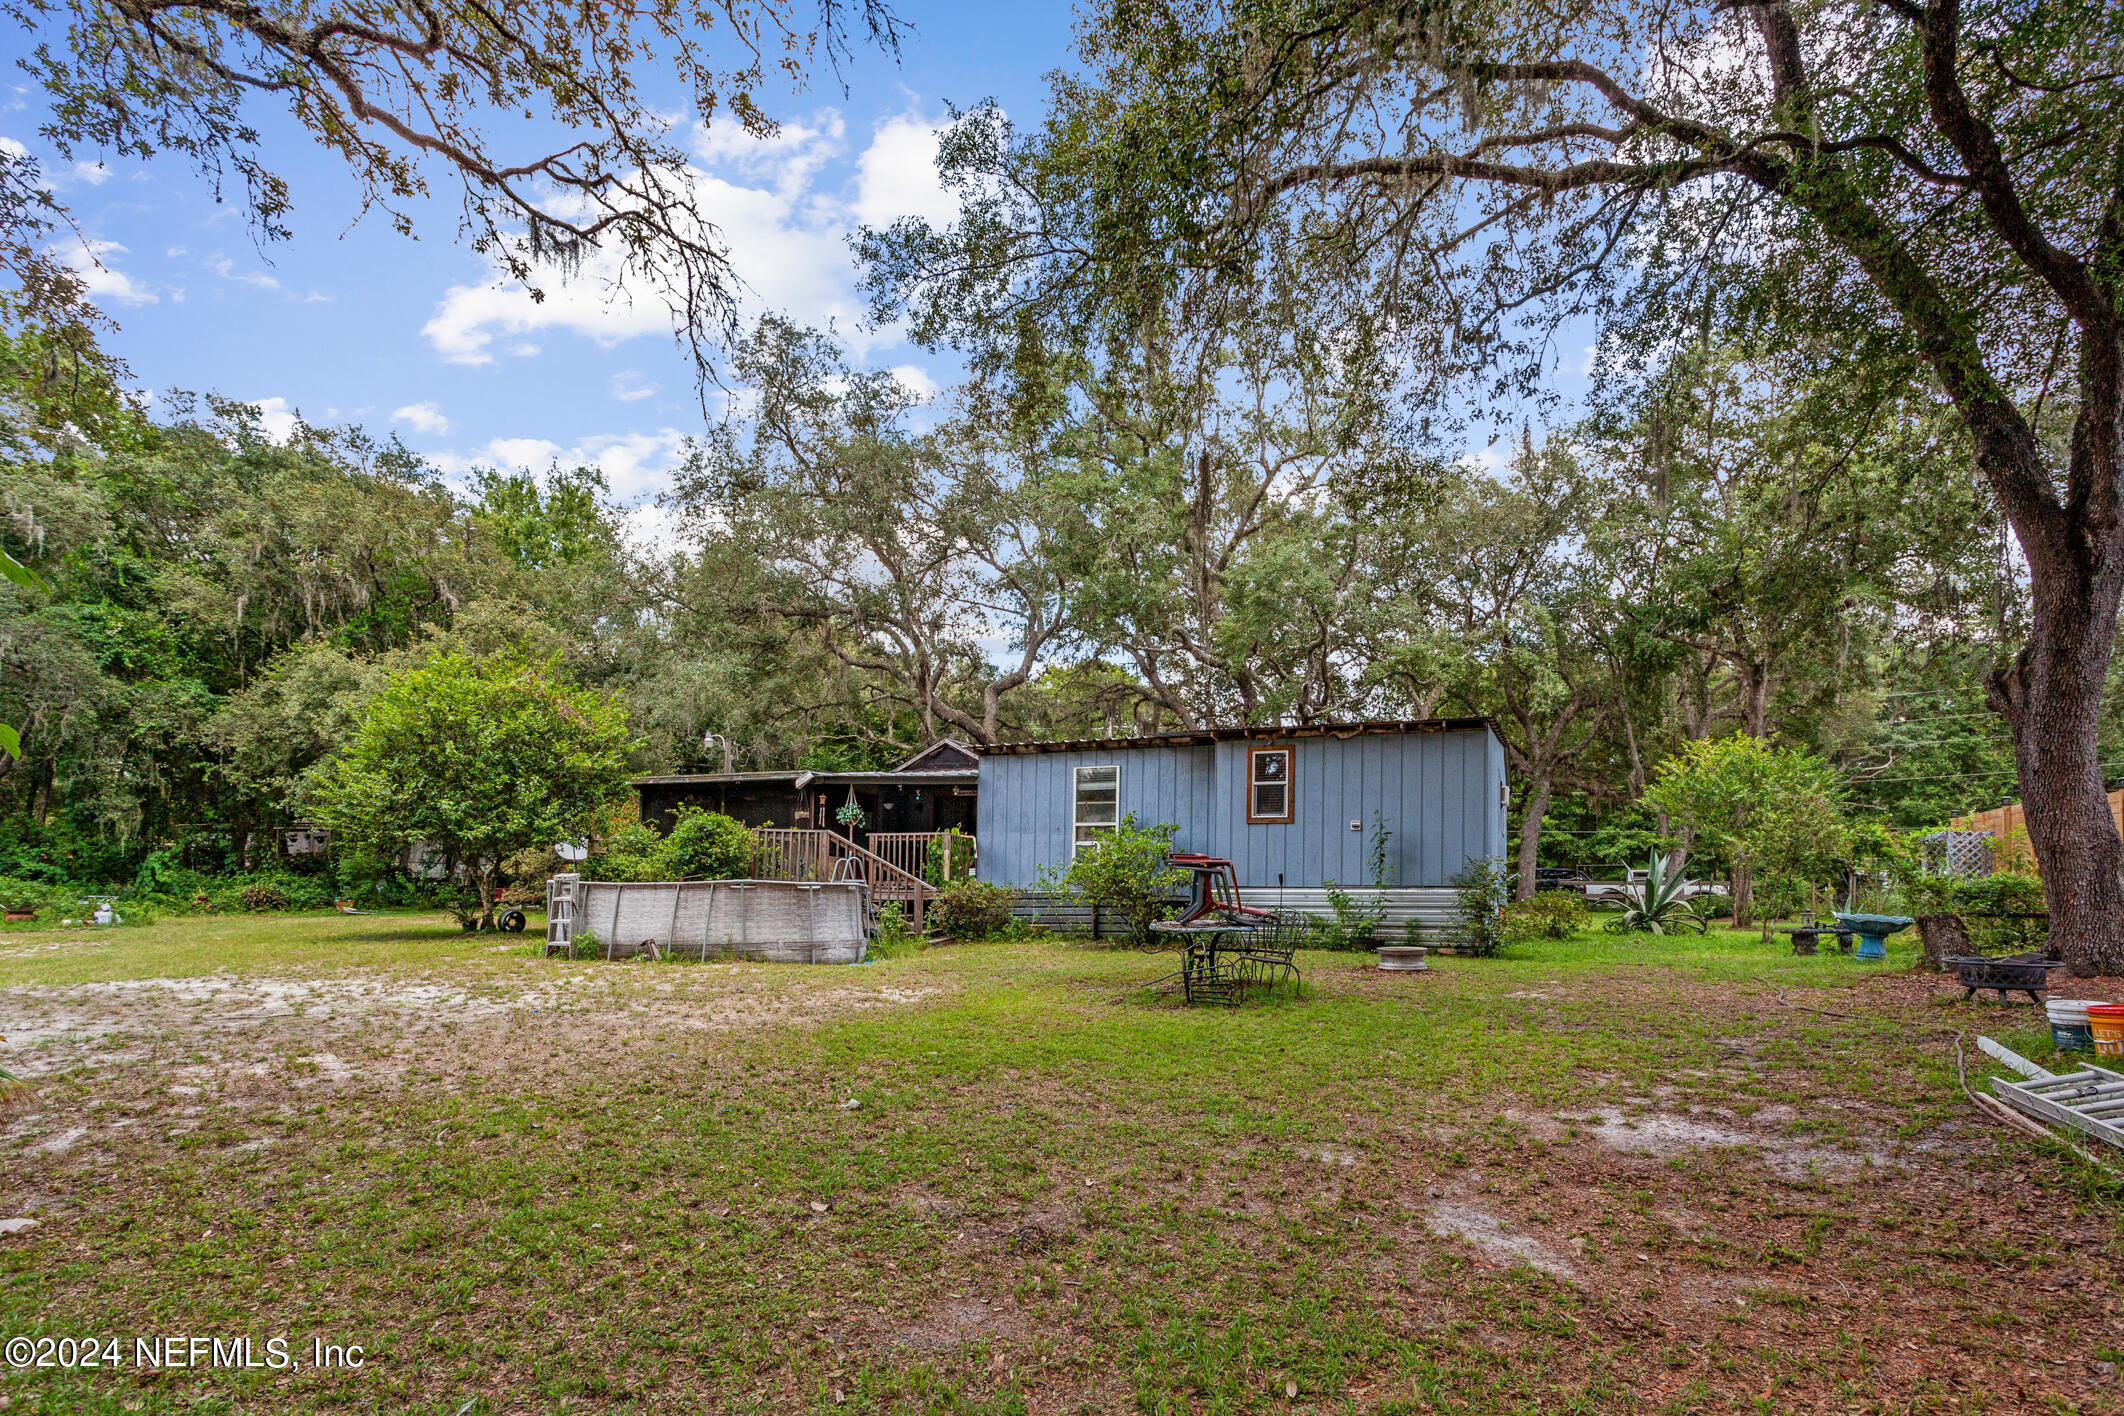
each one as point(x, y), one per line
point(1201, 737)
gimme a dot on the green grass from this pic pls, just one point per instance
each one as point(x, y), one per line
point(591, 1187)
point(195, 946)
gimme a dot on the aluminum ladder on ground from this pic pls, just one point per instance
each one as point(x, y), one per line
point(2090, 1100)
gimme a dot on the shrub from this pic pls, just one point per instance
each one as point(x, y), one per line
point(973, 909)
point(263, 897)
point(892, 935)
point(1977, 900)
point(703, 845)
point(40, 895)
point(706, 845)
point(262, 891)
point(634, 852)
point(1353, 928)
point(1551, 914)
point(1125, 874)
point(1481, 888)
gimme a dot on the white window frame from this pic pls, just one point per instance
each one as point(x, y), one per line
point(1076, 826)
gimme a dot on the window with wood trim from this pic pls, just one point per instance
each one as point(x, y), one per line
point(1095, 807)
point(1268, 786)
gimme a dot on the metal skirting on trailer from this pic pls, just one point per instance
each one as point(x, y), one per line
point(773, 921)
point(1432, 909)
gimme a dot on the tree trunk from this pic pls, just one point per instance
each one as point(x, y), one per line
point(2051, 696)
point(485, 877)
point(1530, 820)
point(1742, 884)
point(1944, 936)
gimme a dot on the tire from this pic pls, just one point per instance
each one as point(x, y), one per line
point(511, 922)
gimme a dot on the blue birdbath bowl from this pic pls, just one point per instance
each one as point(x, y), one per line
point(1873, 932)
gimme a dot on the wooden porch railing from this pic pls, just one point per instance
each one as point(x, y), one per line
point(828, 855)
point(909, 850)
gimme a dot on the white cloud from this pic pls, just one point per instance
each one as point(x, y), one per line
point(915, 380)
point(422, 418)
point(628, 386)
point(1491, 462)
point(276, 418)
point(897, 175)
point(634, 464)
point(12, 148)
point(91, 260)
point(791, 159)
point(784, 225)
point(226, 269)
point(93, 173)
point(470, 316)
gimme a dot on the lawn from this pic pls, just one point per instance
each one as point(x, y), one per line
point(1596, 1175)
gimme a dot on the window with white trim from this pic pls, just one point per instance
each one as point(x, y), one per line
point(1268, 786)
point(1096, 807)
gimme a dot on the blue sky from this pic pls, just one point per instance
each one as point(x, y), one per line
point(350, 322)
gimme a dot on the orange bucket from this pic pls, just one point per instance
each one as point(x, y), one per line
point(2106, 1022)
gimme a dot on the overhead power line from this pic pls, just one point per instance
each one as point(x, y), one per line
point(1960, 776)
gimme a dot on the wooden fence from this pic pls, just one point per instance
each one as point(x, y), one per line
point(830, 856)
point(2007, 826)
point(909, 850)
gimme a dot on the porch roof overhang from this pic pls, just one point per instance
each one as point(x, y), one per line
point(798, 781)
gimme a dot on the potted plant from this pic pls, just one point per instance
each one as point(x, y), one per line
point(21, 908)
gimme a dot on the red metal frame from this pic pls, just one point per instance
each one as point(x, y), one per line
point(1216, 889)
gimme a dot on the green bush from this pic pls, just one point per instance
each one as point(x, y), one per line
point(1125, 875)
point(1480, 890)
point(1353, 928)
point(892, 935)
point(1549, 914)
point(973, 909)
point(703, 845)
point(258, 898)
point(40, 895)
point(1977, 900)
point(265, 890)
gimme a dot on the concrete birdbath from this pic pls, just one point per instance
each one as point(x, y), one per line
point(1873, 931)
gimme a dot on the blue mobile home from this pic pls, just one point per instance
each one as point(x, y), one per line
point(1292, 808)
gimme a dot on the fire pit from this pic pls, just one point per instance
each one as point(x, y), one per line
point(2018, 973)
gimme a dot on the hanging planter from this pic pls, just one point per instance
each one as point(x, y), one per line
point(850, 815)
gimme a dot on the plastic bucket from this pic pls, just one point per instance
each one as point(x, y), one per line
point(2069, 1031)
point(2106, 1022)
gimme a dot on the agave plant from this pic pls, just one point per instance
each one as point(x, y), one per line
point(1659, 905)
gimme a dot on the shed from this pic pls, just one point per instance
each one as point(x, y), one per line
point(1293, 808)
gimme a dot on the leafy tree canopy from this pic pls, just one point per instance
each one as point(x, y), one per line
point(477, 758)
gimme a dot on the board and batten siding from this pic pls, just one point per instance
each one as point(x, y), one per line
point(1440, 793)
point(1164, 784)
